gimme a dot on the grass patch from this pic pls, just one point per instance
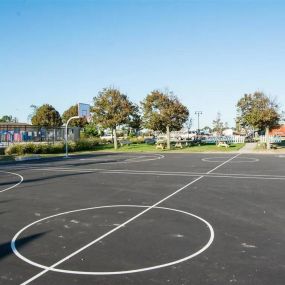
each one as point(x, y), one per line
point(152, 148)
point(91, 147)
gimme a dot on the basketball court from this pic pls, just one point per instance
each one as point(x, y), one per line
point(139, 218)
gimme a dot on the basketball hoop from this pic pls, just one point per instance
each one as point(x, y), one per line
point(84, 111)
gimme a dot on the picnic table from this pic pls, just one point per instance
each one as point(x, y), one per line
point(161, 144)
point(223, 144)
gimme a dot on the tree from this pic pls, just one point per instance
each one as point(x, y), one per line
point(207, 129)
point(8, 119)
point(163, 112)
point(91, 130)
point(258, 111)
point(71, 112)
point(111, 109)
point(218, 125)
point(33, 113)
point(47, 116)
point(135, 122)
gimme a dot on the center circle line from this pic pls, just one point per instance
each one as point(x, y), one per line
point(206, 246)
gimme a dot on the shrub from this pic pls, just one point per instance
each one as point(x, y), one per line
point(87, 144)
point(44, 148)
point(136, 140)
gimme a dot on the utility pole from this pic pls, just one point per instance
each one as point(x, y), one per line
point(198, 113)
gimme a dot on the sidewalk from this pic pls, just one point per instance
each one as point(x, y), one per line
point(248, 148)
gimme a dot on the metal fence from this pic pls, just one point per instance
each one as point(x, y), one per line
point(25, 133)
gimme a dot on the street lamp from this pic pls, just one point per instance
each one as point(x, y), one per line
point(198, 113)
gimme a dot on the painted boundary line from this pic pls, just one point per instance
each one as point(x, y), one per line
point(232, 176)
point(162, 173)
point(202, 249)
point(122, 225)
point(132, 159)
point(15, 185)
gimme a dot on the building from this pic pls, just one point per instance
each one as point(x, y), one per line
point(278, 131)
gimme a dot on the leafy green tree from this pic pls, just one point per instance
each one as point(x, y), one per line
point(135, 122)
point(8, 119)
point(47, 116)
point(258, 111)
point(91, 130)
point(111, 109)
point(72, 112)
point(163, 112)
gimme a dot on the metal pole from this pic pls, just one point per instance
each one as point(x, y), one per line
point(66, 142)
point(198, 113)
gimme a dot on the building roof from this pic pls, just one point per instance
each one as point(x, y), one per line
point(14, 124)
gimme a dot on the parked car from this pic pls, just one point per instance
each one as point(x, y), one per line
point(150, 141)
point(107, 137)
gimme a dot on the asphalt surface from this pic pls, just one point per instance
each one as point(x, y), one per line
point(125, 219)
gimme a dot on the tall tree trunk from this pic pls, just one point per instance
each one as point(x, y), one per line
point(267, 138)
point(168, 137)
point(115, 138)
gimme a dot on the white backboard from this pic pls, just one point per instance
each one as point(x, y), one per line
point(83, 110)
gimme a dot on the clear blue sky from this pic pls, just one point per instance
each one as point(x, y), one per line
point(208, 52)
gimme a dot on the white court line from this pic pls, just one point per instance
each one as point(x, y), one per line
point(202, 249)
point(191, 175)
point(128, 160)
point(218, 159)
point(123, 224)
point(11, 187)
point(159, 172)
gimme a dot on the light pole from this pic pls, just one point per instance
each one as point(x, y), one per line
point(198, 113)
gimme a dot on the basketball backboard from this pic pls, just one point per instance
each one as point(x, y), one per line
point(84, 110)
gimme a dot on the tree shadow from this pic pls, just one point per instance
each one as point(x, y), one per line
point(8, 183)
point(48, 177)
point(5, 248)
point(6, 201)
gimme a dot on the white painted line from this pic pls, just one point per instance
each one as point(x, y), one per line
point(221, 159)
point(215, 175)
point(161, 173)
point(128, 160)
point(223, 163)
point(106, 234)
point(15, 185)
point(203, 248)
point(123, 224)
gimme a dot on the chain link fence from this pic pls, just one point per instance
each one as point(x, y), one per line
point(13, 133)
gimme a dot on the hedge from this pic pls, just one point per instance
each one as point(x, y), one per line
point(41, 148)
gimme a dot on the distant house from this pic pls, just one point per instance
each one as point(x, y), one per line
point(228, 132)
point(278, 131)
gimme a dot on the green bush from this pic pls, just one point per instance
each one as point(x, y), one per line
point(44, 148)
point(136, 140)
